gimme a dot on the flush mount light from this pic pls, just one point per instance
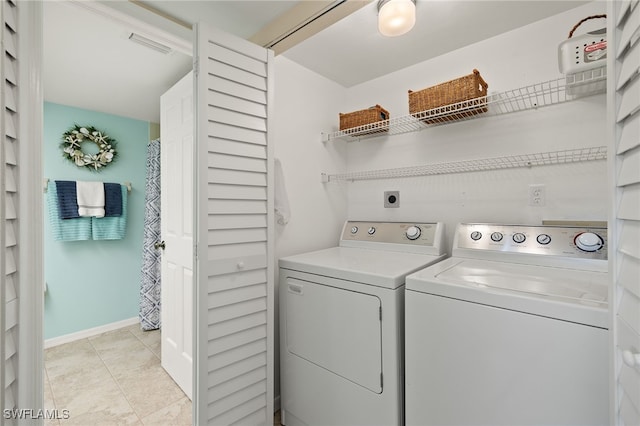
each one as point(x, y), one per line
point(158, 47)
point(396, 17)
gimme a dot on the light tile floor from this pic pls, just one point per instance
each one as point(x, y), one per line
point(113, 378)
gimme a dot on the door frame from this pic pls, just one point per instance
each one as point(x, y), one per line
point(31, 268)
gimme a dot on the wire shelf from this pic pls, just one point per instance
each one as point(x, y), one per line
point(495, 163)
point(530, 97)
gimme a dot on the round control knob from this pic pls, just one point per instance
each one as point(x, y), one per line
point(519, 237)
point(371, 230)
point(476, 235)
point(354, 229)
point(588, 241)
point(496, 236)
point(543, 239)
point(413, 232)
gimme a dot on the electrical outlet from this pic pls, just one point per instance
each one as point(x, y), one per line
point(391, 199)
point(537, 195)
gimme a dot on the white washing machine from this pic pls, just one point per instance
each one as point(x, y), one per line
point(341, 324)
point(510, 330)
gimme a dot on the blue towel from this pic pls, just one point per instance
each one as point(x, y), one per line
point(65, 230)
point(114, 227)
point(112, 199)
point(67, 199)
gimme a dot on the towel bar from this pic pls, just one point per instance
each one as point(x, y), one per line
point(46, 185)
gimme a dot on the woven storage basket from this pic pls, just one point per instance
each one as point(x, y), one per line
point(447, 95)
point(369, 118)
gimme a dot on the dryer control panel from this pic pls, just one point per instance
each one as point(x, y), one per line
point(402, 236)
point(572, 242)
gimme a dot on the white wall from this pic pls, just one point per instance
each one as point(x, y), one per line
point(303, 101)
point(515, 59)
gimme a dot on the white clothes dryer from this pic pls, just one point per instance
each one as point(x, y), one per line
point(510, 330)
point(341, 324)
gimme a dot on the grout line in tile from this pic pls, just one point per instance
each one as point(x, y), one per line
point(53, 396)
point(124, 395)
point(145, 344)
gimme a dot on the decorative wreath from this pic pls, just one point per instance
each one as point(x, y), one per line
point(71, 143)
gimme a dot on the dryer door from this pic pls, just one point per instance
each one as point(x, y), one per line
point(336, 329)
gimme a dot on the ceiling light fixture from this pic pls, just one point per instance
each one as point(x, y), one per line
point(147, 42)
point(396, 17)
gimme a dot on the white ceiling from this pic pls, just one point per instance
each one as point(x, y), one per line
point(352, 51)
point(90, 63)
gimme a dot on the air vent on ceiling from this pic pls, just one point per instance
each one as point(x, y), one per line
point(147, 42)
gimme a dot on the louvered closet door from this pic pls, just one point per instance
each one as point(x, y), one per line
point(8, 207)
point(624, 28)
point(234, 245)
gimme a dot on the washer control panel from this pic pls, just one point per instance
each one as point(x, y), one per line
point(575, 242)
point(422, 234)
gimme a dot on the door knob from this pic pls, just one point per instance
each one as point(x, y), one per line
point(160, 245)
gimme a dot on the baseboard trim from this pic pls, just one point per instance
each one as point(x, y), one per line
point(83, 334)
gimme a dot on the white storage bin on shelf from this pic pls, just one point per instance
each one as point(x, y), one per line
point(583, 57)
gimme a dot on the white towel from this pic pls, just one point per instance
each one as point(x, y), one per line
point(281, 200)
point(90, 199)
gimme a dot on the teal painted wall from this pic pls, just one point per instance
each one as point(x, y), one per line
point(93, 283)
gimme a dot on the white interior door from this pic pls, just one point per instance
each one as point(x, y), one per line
point(21, 295)
point(176, 137)
point(234, 238)
point(623, 33)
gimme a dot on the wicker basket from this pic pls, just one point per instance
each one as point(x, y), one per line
point(452, 96)
point(367, 121)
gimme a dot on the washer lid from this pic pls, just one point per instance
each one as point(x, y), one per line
point(380, 268)
point(568, 294)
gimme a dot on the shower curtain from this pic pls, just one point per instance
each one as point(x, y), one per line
point(150, 285)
